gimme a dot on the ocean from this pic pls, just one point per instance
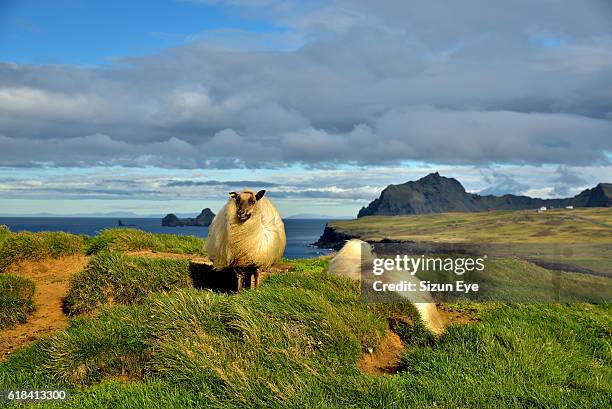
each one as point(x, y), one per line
point(300, 232)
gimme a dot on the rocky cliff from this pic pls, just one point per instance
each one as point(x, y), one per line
point(332, 238)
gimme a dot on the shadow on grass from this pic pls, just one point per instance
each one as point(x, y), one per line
point(205, 277)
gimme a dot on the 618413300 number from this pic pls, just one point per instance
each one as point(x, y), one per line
point(29, 395)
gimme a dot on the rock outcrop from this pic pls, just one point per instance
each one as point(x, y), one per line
point(204, 219)
point(332, 238)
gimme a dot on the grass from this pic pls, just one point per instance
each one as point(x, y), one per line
point(259, 348)
point(113, 344)
point(123, 239)
point(529, 355)
point(586, 226)
point(512, 279)
point(113, 277)
point(16, 299)
point(15, 247)
point(35, 246)
point(4, 233)
point(150, 340)
point(576, 239)
point(295, 342)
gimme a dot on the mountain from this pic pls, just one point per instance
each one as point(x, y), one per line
point(438, 194)
point(205, 218)
point(599, 196)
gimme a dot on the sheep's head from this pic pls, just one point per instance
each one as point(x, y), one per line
point(245, 203)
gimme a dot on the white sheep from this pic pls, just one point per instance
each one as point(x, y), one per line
point(248, 232)
point(357, 255)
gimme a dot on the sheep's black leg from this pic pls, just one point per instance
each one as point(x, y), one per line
point(240, 279)
point(255, 278)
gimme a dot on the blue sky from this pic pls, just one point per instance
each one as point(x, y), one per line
point(96, 32)
point(159, 106)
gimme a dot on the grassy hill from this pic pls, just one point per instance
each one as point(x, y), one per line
point(141, 336)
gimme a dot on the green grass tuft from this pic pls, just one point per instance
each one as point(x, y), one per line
point(4, 233)
point(260, 346)
point(16, 299)
point(115, 343)
point(36, 246)
point(123, 239)
point(118, 278)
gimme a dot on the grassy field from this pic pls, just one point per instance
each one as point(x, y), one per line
point(512, 279)
point(577, 239)
point(577, 226)
point(148, 339)
point(295, 342)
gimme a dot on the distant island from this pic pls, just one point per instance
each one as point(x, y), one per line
point(204, 219)
point(438, 194)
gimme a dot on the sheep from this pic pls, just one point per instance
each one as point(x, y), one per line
point(247, 233)
point(356, 255)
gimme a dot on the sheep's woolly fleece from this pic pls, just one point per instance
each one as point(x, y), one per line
point(258, 242)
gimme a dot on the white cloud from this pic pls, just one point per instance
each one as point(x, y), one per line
point(355, 83)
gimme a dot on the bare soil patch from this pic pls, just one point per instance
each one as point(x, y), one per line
point(51, 277)
point(385, 359)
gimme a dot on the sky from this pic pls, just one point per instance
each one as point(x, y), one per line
point(166, 106)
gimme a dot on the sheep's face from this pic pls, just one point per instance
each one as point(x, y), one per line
point(245, 203)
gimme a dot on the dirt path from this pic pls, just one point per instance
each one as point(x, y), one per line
point(51, 277)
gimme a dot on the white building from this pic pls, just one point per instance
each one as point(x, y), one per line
point(569, 207)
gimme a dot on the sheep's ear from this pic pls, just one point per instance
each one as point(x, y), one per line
point(233, 195)
point(260, 194)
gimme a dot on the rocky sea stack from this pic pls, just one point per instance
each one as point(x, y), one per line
point(204, 219)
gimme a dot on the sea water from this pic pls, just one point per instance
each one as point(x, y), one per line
point(300, 232)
